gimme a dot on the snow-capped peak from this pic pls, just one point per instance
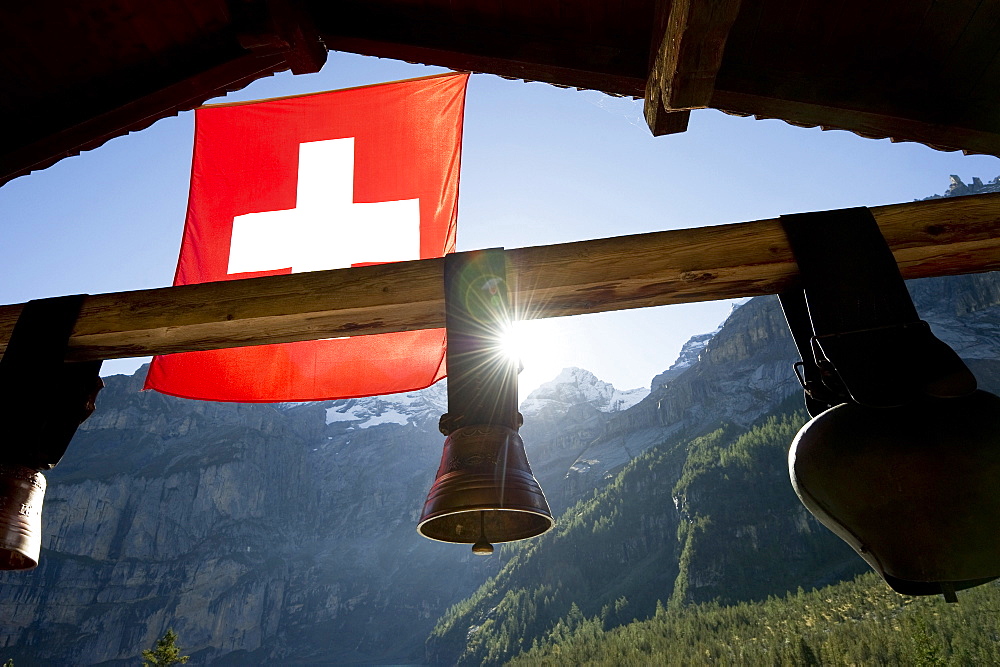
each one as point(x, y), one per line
point(574, 386)
point(409, 407)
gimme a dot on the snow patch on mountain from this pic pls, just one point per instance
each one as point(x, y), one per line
point(413, 407)
point(692, 349)
point(575, 386)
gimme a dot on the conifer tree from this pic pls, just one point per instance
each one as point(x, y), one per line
point(166, 652)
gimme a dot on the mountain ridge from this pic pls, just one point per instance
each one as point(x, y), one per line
point(286, 533)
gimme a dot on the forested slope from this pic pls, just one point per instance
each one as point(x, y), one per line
point(860, 622)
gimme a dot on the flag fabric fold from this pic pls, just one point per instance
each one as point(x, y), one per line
point(324, 181)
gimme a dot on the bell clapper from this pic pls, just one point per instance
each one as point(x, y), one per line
point(482, 547)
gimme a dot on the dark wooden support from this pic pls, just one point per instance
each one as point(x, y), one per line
point(688, 52)
point(660, 120)
point(275, 37)
point(928, 238)
point(43, 399)
point(873, 124)
point(279, 26)
point(482, 379)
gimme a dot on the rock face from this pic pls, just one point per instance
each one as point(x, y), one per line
point(286, 534)
point(956, 188)
point(259, 533)
point(704, 511)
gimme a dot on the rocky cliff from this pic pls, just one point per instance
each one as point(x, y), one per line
point(257, 532)
point(706, 511)
point(261, 532)
point(286, 533)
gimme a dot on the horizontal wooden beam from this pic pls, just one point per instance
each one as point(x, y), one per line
point(928, 238)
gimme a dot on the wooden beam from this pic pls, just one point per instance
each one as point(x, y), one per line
point(660, 120)
point(98, 126)
point(542, 67)
point(941, 136)
point(928, 238)
point(688, 54)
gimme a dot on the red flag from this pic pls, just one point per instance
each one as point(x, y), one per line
point(324, 181)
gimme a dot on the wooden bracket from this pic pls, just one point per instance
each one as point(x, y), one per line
point(266, 27)
point(686, 55)
point(43, 399)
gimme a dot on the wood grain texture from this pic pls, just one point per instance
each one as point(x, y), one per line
point(929, 238)
point(689, 53)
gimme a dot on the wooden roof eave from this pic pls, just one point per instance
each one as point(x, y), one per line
point(254, 47)
point(689, 71)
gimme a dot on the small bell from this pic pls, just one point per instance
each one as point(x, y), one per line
point(484, 491)
point(22, 490)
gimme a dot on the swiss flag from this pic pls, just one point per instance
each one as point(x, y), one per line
point(325, 181)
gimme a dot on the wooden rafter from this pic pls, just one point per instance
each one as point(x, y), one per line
point(875, 125)
point(929, 238)
point(688, 52)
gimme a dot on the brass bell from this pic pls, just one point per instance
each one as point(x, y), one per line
point(484, 491)
point(912, 489)
point(22, 490)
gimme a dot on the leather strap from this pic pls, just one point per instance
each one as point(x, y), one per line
point(482, 382)
point(43, 398)
point(866, 342)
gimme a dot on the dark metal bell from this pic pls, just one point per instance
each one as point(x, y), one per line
point(913, 489)
point(484, 491)
point(21, 493)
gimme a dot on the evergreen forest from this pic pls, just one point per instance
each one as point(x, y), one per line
point(859, 622)
point(662, 567)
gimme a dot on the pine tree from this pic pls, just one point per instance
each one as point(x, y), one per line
point(166, 652)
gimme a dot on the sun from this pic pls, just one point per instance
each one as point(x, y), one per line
point(536, 349)
point(511, 342)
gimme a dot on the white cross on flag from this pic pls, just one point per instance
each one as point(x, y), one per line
point(324, 181)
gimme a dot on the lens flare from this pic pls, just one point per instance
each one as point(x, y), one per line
point(511, 342)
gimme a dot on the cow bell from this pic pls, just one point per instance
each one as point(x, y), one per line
point(21, 493)
point(484, 491)
point(913, 489)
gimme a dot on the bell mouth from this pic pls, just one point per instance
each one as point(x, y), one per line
point(467, 526)
point(912, 489)
point(904, 587)
point(484, 491)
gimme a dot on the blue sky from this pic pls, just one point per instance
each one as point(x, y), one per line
point(541, 165)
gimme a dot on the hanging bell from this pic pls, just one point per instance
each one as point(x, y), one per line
point(21, 493)
point(484, 491)
point(913, 489)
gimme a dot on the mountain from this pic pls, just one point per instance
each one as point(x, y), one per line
point(258, 532)
point(706, 513)
point(575, 387)
point(286, 533)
